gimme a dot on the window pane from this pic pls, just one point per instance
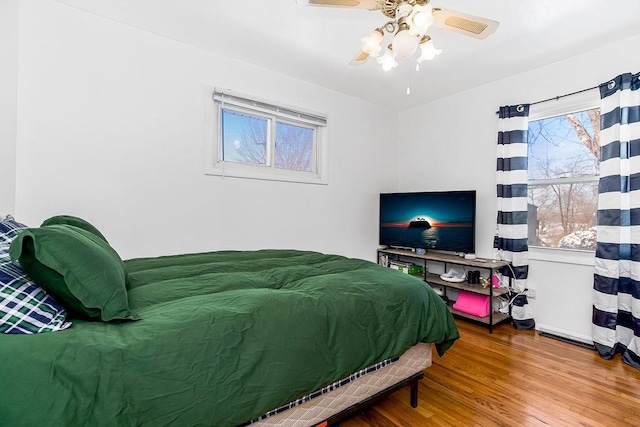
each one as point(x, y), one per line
point(564, 146)
point(244, 138)
point(563, 215)
point(294, 147)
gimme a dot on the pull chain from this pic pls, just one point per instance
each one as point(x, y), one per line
point(409, 78)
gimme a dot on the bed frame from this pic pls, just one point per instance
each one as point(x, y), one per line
point(412, 381)
point(356, 396)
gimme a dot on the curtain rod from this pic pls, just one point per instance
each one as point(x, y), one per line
point(555, 98)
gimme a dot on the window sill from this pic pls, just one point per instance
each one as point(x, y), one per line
point(268, 175)
point(562, 256)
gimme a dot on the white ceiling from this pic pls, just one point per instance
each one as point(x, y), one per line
point(315, 44)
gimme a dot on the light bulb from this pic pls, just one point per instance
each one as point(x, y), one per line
point(421, 19)
point(389, 65)
point(404, 44)
point(388, 60)
point(371, 43)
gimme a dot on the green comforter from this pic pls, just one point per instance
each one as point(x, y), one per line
point(224, 337)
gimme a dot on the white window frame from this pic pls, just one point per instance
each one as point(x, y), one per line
point(218, 99)
point(579, 102)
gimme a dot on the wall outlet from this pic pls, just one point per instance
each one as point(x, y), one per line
point(531, 293)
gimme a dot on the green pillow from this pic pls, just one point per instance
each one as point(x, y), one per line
point(76, 222)
point(80, 270)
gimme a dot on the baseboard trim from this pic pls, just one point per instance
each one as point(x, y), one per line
point(566, 337)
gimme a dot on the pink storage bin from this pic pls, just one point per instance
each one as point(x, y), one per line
point(475, 304)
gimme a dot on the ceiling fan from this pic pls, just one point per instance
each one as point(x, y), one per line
point(407, 27)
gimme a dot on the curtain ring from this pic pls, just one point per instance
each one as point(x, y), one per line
point(611, 84)
point(520, 108)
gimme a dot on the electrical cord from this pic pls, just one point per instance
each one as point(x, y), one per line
point(511, 288)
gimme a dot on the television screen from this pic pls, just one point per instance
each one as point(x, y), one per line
point(431, 220)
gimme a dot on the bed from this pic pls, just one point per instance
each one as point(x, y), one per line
point(219, 339)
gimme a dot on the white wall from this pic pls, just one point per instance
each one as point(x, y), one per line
point(8, 103)
point(450, 144)
point(114, 120)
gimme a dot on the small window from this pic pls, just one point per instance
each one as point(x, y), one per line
point(256, 139)
point(244, 138)
point(563, 159)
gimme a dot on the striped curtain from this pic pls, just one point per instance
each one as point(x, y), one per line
point(511, 230)
point(616, 295)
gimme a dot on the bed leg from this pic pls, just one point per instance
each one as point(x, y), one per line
point(414, 393)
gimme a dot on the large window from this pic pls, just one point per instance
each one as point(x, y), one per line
point(256, 139)
point(563, 174)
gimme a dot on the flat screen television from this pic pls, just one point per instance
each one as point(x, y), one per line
point(442, 221)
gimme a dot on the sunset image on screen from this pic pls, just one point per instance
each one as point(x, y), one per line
point(428, 220)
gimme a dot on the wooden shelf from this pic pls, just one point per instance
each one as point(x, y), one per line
point(496, 317)
point(435, 280)
point(448, 258)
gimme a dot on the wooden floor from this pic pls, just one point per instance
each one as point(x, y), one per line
point(514, 378)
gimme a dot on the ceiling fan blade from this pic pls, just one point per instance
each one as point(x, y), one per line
point(353, 4)
point(360, 58)
point(470, 25)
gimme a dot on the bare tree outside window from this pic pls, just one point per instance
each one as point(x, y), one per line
point(246, 138)
point(564, 156)
point(294, 147)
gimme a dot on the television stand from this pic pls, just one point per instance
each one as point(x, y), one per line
point(433, 258)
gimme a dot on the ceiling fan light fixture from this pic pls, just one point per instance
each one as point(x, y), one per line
point(407, 25)
point(371, 43)
point(428, 50)
point(420, 19)
point(404, 43)
point(388, 60)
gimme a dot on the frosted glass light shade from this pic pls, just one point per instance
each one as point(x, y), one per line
point(388, 60)
point(421, 19)
point(404, 44)
point(371, 43)
point(428, 51)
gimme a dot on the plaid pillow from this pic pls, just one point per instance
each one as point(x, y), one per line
point(25, 308)
point(9, 228)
